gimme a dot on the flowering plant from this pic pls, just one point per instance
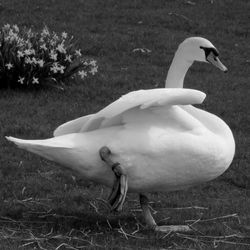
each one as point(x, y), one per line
point(31, 59)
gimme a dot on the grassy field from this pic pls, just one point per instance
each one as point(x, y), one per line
point(46, 207)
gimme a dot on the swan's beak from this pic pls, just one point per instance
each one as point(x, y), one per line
point(216, 62)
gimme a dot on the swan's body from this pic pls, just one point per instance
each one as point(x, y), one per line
point(161, 147)
point(162, 142)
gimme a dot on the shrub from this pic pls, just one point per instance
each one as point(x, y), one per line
point(31, 59)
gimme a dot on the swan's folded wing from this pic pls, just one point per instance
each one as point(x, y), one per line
point(144, 99)
point(73, 126)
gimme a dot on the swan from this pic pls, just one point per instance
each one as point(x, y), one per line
point(147, 140)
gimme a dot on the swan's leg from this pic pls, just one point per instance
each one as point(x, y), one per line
point(151, 222)
point(120, 187)
point(146, 212)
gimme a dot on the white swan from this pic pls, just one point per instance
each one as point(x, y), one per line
point(148, 140)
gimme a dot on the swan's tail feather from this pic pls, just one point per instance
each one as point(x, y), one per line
point(44, 148)
point(73, 126)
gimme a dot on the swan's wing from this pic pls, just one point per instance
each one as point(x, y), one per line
point(73, 126)
point(144, 99)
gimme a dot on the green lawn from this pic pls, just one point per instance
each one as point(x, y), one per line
point(46, 207)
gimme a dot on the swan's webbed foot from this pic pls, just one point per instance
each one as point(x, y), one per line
point(151, 222)
point(120, 187)
point(146, 212)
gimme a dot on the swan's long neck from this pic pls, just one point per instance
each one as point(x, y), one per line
point(177, 71)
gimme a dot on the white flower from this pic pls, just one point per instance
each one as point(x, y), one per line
point(21, 80)
point(78, 52)
point(9, 66)
point(43, 46)
point(30, 33)
point(61, 49)
point(6, 26)
point(94, 70)
point(57, 68)
point(11, 36)
point(29, 52)
point(35, 80)
point(20, 54)
point(29, 44)
point(28, 60)
point(45, 32)
point(85, 63)
point(61, 69)
point(53, 55)
point(68, 58)
point(55, 37)
point(34, 60)
point(92, 63)
point(64, 35)
point(52, 43)
point(82, 74)
point(16, 29)
point(20, 42)
point(40, 63)
point(54, 69)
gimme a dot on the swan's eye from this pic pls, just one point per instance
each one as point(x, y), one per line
point(215, 58)
point(213, 51)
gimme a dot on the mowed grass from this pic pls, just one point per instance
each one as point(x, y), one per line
point(46, 207)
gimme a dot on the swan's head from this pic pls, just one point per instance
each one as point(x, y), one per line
point(202, 50)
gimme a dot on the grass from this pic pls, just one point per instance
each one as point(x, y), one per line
point(46, 207)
